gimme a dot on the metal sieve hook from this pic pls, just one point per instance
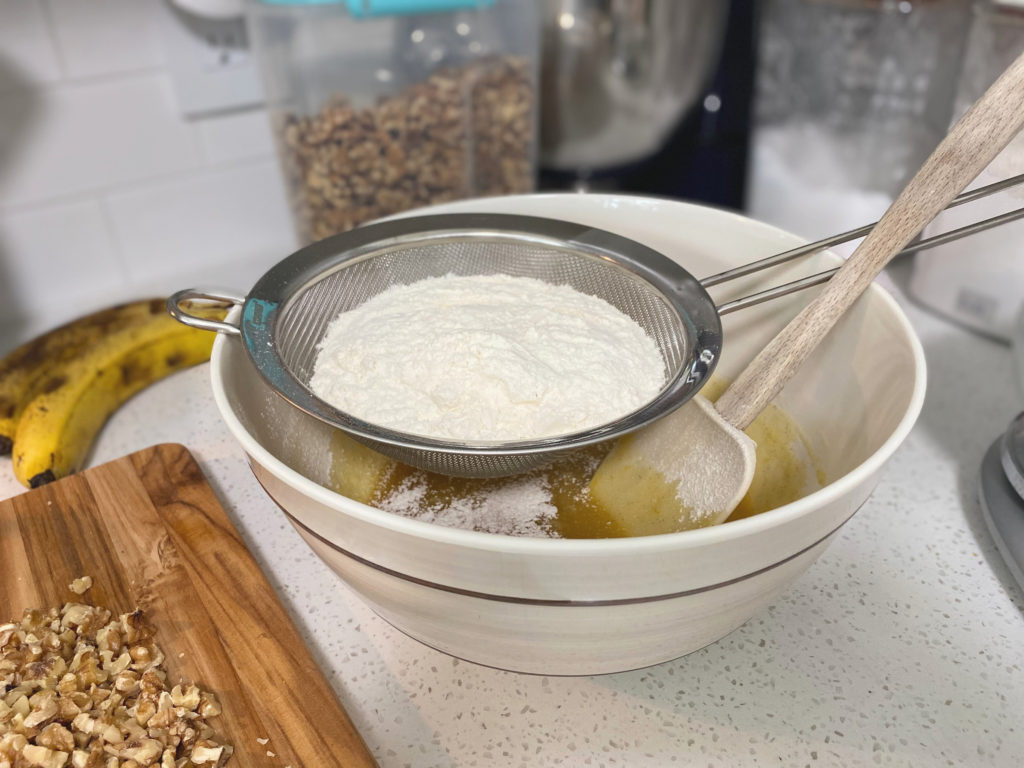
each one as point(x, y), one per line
point(179, 313)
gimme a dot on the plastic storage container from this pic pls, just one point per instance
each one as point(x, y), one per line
point(379, 106)
point(851, 98)
point(979, 281)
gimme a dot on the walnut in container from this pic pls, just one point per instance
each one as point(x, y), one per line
point(378, 113)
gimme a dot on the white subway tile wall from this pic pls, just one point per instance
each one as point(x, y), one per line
point(105, 37)
point(227, 212)
point(89, 137)
point(63, 249)
point(236, 136)
point(107, 192)
point(28, 55)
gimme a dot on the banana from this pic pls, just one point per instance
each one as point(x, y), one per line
point(58, 426)
point(28, 370)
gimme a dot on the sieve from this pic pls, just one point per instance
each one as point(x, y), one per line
point(285, 315)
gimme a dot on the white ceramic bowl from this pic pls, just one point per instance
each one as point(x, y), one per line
point(605, 605)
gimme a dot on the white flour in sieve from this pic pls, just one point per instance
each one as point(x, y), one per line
point(487, 357)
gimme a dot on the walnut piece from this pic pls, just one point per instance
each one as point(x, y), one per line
point(80, 688)
point(81, 585)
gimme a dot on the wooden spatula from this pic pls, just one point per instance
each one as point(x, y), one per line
point(697, 463)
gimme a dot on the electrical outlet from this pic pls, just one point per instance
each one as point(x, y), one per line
point(210, 62)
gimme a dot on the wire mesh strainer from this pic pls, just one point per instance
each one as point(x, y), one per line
point(286, 314)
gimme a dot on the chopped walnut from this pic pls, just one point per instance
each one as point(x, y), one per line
point(81, 585)
point(56, 736)
point(80, 688)
point(204, 753)
point(188, 697)
point(43, 757)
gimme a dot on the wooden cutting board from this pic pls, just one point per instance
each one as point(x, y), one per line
point(152, 535)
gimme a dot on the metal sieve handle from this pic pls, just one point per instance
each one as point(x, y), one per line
point(182, 316)
point(823, 277)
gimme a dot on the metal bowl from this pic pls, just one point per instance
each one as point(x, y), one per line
point(616, 77)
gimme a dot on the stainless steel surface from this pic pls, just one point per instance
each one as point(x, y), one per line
point(182, 315)
point(287, 312)
point(1011, 454)
point(821, 277)
point(853, 234)
point(999, 492)
point(617, 75)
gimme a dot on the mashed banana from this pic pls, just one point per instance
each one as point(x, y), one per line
point(554, 501)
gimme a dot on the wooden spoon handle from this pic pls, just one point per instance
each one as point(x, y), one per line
point(972, 143)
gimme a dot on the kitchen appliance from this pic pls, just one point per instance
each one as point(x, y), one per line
point(1001, 493)
point(618, 76)
point(1001, 480)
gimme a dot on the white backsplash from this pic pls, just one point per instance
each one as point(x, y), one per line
point(107, 192)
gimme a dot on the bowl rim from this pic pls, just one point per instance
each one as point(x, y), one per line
point(503, 543)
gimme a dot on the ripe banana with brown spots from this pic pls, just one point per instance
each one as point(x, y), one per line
point(58, 426)
point(25, 371)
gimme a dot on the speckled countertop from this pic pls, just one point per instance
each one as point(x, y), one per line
point(903, 645)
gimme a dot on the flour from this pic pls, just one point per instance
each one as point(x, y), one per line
point(488, 357)
point(520, 507)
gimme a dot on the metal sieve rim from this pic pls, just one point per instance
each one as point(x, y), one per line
point(272, 293)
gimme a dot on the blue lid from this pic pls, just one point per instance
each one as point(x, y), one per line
point(364, 8)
